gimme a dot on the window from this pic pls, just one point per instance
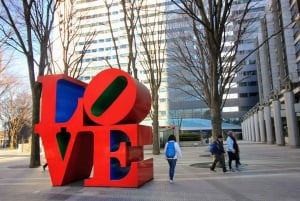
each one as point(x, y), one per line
point(230, 109)
point(231, 96)
point(242, 84)
point(243, 95)
point(162, 113)
point(162, 100)
point(253, 94)
point(252, 83)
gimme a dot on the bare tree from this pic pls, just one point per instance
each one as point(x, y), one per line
point(70, 34)
point(152, 52)
point(15, 105)
point(131, 14)
point(15, 108)
point(3, 82)
point(145, 45)
point(5, 79)
point(206, 61)
point(28, 24)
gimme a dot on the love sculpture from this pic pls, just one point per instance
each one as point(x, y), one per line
point(91, 132)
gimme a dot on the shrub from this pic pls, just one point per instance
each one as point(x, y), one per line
point(189, 137)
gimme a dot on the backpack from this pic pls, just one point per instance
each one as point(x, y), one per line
point(212, 147)
point(170, 152)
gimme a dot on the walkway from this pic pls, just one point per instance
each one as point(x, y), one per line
point(269, 173)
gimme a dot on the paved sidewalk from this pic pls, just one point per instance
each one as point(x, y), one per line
point(269, 173)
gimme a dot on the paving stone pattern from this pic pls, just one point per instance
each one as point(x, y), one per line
point(268, 173)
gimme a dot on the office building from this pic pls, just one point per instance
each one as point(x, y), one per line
point(92, 17)
point(275, 120)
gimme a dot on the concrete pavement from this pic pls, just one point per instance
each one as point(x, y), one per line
point(269, 173)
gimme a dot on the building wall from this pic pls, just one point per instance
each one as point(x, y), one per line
point(245, 92)
point(278, 77)
point(92, 17)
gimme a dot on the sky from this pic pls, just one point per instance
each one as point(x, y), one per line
point(17, 68)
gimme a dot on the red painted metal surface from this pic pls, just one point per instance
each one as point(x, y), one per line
point(96, 127)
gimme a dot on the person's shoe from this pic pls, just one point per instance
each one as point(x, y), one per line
point(44, 167)
point(213, 170)
point(171, 181)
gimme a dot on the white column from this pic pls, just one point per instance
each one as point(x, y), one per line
point(267, 114)
point(262, 128)
point(249, 128)
point(293, 130)
point(278, 123)
point(244, 127)
point(256, 127)
point(252, 128)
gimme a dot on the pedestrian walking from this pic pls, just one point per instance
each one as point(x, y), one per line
point(217, 150)
point(232, 151)
point(172, 152)
point(43, 155)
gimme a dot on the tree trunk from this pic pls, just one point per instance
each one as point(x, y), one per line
point(35, 142)
point(216, 119)
point(155, 127)
point(12, 139)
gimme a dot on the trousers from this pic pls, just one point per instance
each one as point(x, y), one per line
point(221, 159)
point(172, 165)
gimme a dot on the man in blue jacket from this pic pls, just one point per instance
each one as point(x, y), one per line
point(218, 152)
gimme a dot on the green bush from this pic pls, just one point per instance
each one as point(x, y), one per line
point(189, 137)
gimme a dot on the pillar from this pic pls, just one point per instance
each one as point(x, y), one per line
point(256, 127)
point(267, 115)
point(278, 123)
point(262, 128)
point(252, 128)
point(293, 130)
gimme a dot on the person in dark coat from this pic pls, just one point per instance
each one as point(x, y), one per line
point(218, 152)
